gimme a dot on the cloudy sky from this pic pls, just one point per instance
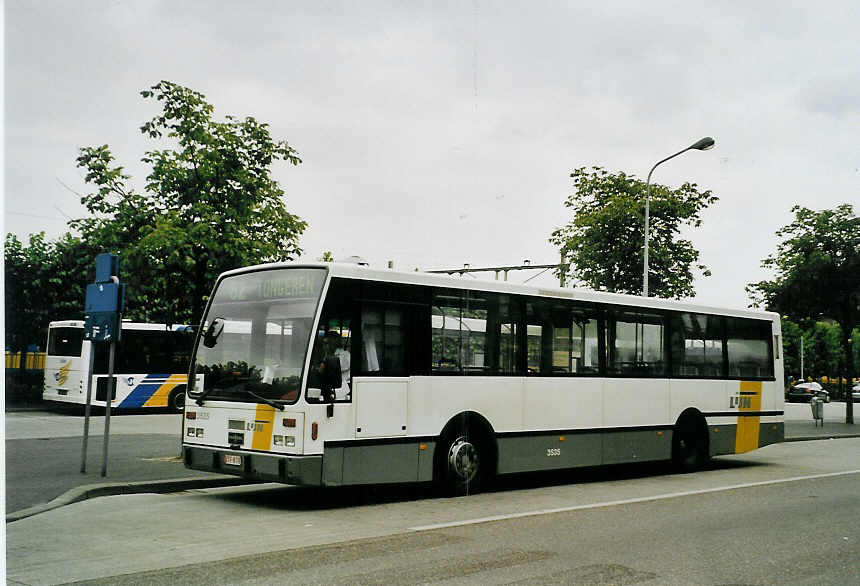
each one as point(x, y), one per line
point(440, 133)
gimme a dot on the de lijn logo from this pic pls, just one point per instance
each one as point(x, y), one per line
point(62, 375)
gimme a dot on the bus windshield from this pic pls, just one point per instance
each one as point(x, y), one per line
point(256, 334)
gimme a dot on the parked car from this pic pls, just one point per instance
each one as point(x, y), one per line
point(803, 393)
point(855, 393)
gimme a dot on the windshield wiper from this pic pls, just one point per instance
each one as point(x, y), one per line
point(248, 391)
point(241, 387)
point(199, 400)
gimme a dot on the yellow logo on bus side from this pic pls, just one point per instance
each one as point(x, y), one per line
point(63, 374)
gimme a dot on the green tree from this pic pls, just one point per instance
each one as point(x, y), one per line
point(210, 205)
point(604, 242)
point(791, 340)
point(45, 281)
point(817, 273)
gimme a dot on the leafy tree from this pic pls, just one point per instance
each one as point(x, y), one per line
point(604, 243)
point(817, 267)
point(45, 281)
point(791, 340)
point(210, 205)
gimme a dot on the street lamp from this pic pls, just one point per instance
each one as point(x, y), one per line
point(702, 144)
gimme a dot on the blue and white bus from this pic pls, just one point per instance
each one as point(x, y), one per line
point(150, 366)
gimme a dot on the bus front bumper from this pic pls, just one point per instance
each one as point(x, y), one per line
point(300, 470)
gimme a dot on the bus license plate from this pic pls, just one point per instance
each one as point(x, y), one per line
point(232, 460)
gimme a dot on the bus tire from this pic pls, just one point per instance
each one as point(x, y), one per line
point(465, 461)
point(690, 442)
point(176, 400)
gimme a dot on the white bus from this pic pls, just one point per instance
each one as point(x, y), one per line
point(456, 381)
point(150, 366)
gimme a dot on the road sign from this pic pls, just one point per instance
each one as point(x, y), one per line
point(104, 302)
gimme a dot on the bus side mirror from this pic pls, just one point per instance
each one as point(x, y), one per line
point(210, 338)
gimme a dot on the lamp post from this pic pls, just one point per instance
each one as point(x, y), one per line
point(700, 145)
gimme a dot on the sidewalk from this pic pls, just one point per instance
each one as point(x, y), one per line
point(147, 460)
point(798, 431)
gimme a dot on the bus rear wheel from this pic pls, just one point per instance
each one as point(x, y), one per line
point(690, 444)
point(176, 400)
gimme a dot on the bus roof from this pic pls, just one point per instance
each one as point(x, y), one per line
point(355, 271)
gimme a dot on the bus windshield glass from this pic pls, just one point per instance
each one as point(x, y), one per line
point(256, 335)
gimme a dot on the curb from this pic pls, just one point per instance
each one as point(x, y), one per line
point(810, 438)
point(81, 493)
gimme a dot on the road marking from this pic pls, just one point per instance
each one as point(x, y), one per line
point(643, 499)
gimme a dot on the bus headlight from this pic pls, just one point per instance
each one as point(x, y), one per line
point(290, 441)
point(190, 432)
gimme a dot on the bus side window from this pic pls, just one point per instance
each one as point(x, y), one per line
point(697, 345)
point(382, 341)
point(446, 324)
point(636, 343)
point(749, 348)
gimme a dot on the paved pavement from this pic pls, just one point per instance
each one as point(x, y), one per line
point(162, 471)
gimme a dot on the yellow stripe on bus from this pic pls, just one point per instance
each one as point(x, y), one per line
point(264, 420)
point(746, 438)
point(159, 397)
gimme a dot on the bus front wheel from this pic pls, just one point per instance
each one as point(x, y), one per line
point(463, 467)
point(176, 400)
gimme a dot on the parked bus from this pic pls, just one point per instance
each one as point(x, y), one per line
point(328, 375)
point(150, 366)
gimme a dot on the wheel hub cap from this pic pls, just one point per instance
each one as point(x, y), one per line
point(463, 459)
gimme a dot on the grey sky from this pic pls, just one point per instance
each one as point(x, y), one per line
point(439, 133)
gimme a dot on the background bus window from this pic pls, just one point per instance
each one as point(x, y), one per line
point(748, 344)
point(635, 342)
point(697, 345)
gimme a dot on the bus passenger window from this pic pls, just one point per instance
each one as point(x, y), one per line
point(446, 324)
point(697, 345)
point(749, 348)
point(382, 341)
point(636, 344)
point(584, 352)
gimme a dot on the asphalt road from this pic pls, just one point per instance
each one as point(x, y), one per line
point(43, 453)
point(747, 536)
point(25, 458)
point(783, 514)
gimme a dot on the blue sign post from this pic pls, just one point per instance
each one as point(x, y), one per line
point(102, 325)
